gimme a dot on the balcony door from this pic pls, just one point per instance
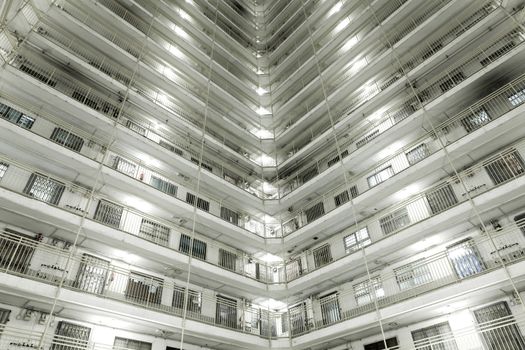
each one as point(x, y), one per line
point(330, 310)
point(226, 312)
point(499, 330)
point(92, 274)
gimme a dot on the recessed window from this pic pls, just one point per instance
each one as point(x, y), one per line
point(230, 215)
point(71, 336)
point(16, 117)
point(344, 197)
point(194, 299)
point(437, 337)
point(44, 188)
point(380, 176)
point(506, 167)
point(367, 138)
point(356, 240)
point(143, 288)
point(67, 139)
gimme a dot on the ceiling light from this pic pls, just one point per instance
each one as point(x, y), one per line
point(261, 91)
point(176, 51)
point(336, 8)
point(263, 133)
point(272, 304)
point(342, 25)
point(350, 43)
point(263, 111)
point(180, 32)
point(184, 15)
point(269, 258)
point(265, 160)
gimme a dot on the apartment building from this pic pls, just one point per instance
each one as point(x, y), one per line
point(262, 174)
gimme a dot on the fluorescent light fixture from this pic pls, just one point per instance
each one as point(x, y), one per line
point(336, 8)
point(180, 32)
point(265, 160)
point(270, 258)
point(350, 43)
point(407, 192)
point(261, 91)
point(263, 111)
point(342, 25)
point(184, 15)
point(174, 50)
point(272, 304)
point(263, 133)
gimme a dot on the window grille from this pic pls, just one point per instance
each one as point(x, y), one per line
point(18, 259)
point(67, 139)
point(170, 147)
point(517, 98)
point(124, 166)
point(294, 269)
point(498, 327)
point(227, 259)
point(109, 213)
point(441, 199)
point(520, 222)
point(366, 290)
point(16, 117)
point(465, 258)
point(230, 215)
point(337, 158)
point(3, 169)
point(330, 310)
point(194, 299)
point(505, 167)
point(367, 138)
point(436, 337)
point(226, 312)
point(202, 164)
point(497, 54)
point(417, 154)
point(454, 80)
point(476, 120)
point(136, 127)
point(44, 188)
point(143, 288)
point(198, 250)
point(391, 344)
point(394, 221)
point(322, 255)
point(413, 275)
point(357, 240)
point(155, 232)
point(201, 203)
point(130, 344)
point(299, 318)
point(163, 186)
point(92, 274)
point(70, 336)
point(380, 176)
point(310, 174)
point(344, 196)
point(314, 212)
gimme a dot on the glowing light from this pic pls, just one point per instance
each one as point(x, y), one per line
point(270, 258)
point(272, 304)
point(376, 115)
point(265, 160)
point(342, 25)
point(268, 187)
point(336, 8)
point(389, 151)
point(263, 133)
point(184, 15)
point(427, 243)
point(358, 64)
point(180, 32)
point(174, 50)
point(408, 192)
point(138, 204)
point(263, 111)
point(261, 91)
point(350, 43)
point(259, 71)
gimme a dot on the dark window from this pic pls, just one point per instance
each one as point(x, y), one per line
point(322, 255)
point(391, 344)
point(155, 232)
point(413, 275)
point(497, 54)
point(163, 186)
point(226, 312)
point(337, 158)
point(67, 139)
point(136, 127)
point(357, 240)
point(16, 257)
point(230, 215)
point(344, 197)
point(199, 247)
point(201, 203)
point(299, 319)
point(203, 165)
point(330, 310)
point(70, 336)
point(314, 212)
point(170, 147)
point(4, 316)
point(44, 188)
point(16, 117)
point(310, 174)
point(82, 98)
point(194, 299)
point(498, 328)
point(142, 288)
point(517, 98)
point(108, 213)
point(507, 166)
point(227, 259)
point(441, 198)
point(436, 337)
point(26, 67)
point(92, 274)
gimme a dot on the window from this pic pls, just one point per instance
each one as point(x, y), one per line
point(16, 117)
point(322, 255)
point(314, 212)
point(357, 240)
point(163, 186)
point(130, 344)
point(394, 221)
point(230, 215)
point(142, 288)
point(465, 258)
point(310, 174)
point(507, 166)
point(91, 275)
point(198, 250)
point(517, 98)
point(366, 290)
point(194, 299)
point(391, 344)
point(294, 269)
point(226, 312)
point(417, 154)
point(124, 166)
point(343, 197)
point(18, 259)
point(136, 127)
point(108, 213)
point(227, 259)
point(497, 54)
point(330, 310)
point(337, 158)
point(380, 176)
point(367, 138)
point(170, 147)
point(498, 328)
point(436, 337)
point(67, 139)
point(44, 188)
point(82, 98)
point(413, 275)
point(441, 199)
point(201, 203)
point(155, 232)
point(299, 319)
point(203, 165)
point(3, 169)
point(70, 336)
point(476, 120)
